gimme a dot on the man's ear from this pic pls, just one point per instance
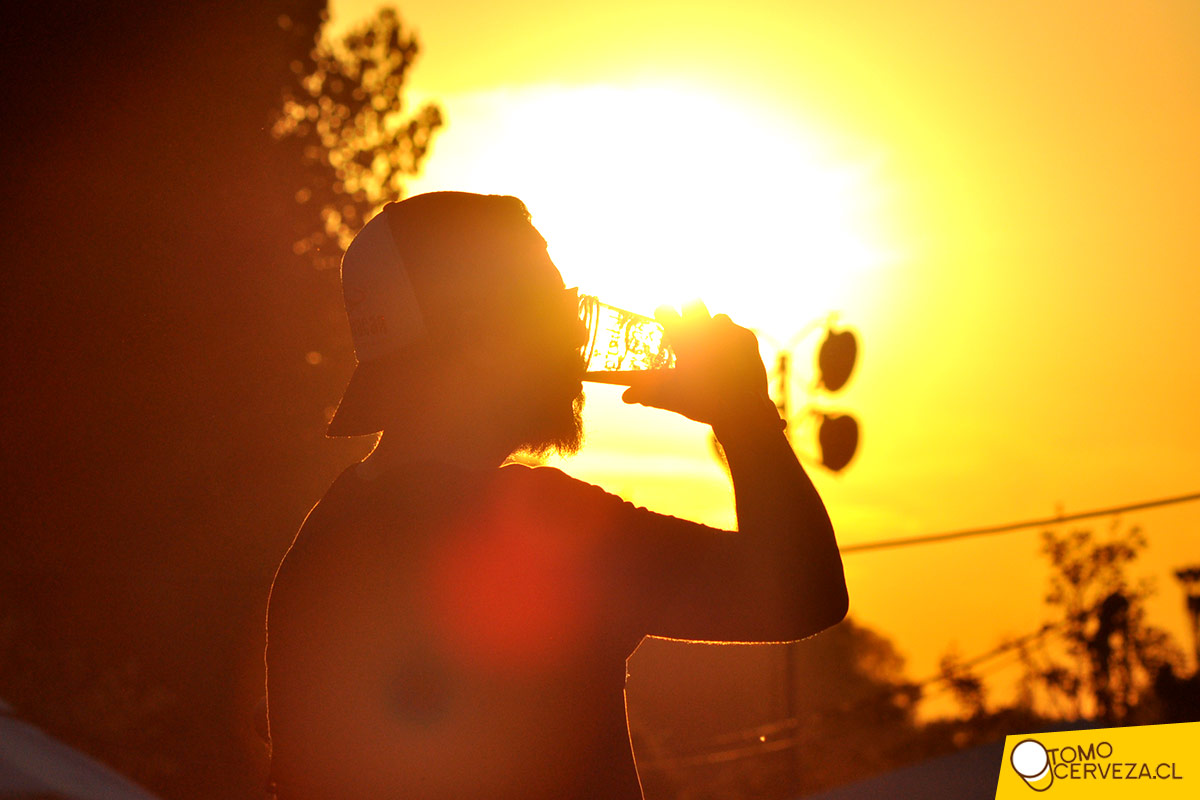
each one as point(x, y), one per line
point(477, 343)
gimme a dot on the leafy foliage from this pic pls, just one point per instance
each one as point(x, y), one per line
point(1110, 654)
point(345, 114)
point(964, 684)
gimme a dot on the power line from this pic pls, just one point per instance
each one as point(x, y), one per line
point(952, 669)
point(1016, 526)
point(945, 678)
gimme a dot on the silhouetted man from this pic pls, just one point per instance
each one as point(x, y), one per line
point(447, 627)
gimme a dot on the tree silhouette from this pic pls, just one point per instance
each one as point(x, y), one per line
point(1110, 654)
point(345, 116)
point(964, 684)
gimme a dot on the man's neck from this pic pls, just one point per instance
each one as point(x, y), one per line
point(462, 447)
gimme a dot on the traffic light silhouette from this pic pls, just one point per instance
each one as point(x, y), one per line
point(837, 433)
point(836, 359)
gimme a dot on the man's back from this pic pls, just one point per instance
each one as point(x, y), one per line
point(444, 633)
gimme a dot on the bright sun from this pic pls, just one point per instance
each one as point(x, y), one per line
point(652, 195)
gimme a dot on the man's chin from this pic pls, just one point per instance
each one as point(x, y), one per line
point(562, 435)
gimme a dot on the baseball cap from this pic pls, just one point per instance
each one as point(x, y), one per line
point(407, 277)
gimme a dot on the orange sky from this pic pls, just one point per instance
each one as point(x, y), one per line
point(1000, 196)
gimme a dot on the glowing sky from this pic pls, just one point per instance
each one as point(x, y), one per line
point(1001, 197)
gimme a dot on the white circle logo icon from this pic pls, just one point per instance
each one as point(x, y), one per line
point(1031, 761)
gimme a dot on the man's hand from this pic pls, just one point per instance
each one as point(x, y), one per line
point(719, 378)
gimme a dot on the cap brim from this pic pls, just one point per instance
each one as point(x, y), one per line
point(361, 411)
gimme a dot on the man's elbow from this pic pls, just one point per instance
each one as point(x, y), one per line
point(817, 611)
point(838, 606)
point(835, 595)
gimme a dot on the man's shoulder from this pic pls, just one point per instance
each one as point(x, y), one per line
point(540, 474)
point(552, 483)
point(355, 518)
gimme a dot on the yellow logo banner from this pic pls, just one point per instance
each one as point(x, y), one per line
point(1149, 761)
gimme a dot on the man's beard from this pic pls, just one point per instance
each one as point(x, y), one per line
point(560, 431)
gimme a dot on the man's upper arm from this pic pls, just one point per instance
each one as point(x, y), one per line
point(680, 579)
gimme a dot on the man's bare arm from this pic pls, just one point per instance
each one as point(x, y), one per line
point(785, 573)
point(785, 526)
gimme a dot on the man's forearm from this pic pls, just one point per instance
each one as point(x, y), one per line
point(785, 522)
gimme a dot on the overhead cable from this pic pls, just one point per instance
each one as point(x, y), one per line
point(1016, 526)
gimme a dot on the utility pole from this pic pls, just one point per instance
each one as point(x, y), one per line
point(837, 438)
point(1190, 578)
point(837, 433)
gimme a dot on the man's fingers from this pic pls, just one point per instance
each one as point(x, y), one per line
point(718, 366)
point(644, 388)
point(666, 316)
point(695, 309)
point(640, 396)
point(686, 326)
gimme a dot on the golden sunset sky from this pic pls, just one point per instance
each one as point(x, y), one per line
point(1001, 198)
